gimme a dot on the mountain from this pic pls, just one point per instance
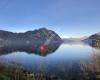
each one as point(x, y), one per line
point(93, 40)
point(30, 39)
point(95, 36)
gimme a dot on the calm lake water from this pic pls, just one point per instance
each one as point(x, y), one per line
point(71, 61)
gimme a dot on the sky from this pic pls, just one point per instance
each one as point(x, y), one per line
point(68, 18)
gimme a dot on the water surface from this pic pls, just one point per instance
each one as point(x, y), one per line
point(71, 61)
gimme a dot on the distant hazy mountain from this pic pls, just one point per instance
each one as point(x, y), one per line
point(73, 39)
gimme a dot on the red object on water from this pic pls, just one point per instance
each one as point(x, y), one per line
point(42, 48)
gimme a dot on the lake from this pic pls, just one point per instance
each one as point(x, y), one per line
point(71, 61)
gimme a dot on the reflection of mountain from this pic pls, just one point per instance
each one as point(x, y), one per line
point(29, 49)
point(95, 44)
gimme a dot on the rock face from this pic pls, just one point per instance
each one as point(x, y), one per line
point(31, 40)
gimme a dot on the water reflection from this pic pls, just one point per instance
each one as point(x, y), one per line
point(69, 62)
point(41, 50)
point(95, 44)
